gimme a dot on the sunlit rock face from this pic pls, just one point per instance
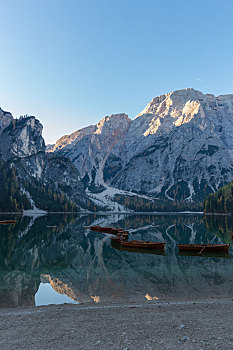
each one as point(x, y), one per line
point(50, 147)
point(22, 138)
point(181, 140)
point(180, 145)
point(70, 140)
point(5, 119)
point(22, 142)
point(91, 147)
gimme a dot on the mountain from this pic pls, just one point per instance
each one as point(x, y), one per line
point(177, 150)
point(39, 174)
point(91, 148)
point(180, 147)
point(5, 119)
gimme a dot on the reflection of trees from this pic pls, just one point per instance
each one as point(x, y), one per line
point(29, 247)
point(18, 288)
point(220, 225)
point(9, 238)
point(137, 221)
point(27, 237)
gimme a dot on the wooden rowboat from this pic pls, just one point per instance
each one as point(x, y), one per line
point(8, 222)
point(204, 247)
point(139, 244)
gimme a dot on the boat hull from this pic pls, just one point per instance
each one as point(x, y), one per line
point(139, 244)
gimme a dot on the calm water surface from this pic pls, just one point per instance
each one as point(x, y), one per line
point(53, 259)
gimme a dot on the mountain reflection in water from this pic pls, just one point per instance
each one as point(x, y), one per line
point(80, 264)
point(46, 295)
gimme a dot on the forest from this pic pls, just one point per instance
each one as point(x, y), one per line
point(220, 201)
point(46, 197)
point(11, 199)
point(136, 203)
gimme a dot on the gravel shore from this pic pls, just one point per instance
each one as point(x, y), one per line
point(203, 324)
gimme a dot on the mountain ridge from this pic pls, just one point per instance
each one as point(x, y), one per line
point(158, 138)
point(179, 148)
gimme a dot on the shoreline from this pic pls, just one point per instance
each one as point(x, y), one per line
point(114, 212)
point(118, 213)
point(174, 324)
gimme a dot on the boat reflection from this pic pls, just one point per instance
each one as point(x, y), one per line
point(224, 255)
point(138, 250)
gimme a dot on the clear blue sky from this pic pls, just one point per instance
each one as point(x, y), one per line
point(72, 62)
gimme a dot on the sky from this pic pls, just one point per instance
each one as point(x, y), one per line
point(72, 62)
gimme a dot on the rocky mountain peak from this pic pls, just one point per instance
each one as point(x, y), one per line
point(167, 112)
point(88, 148)
point(106, 128)
point(22, 138)
point(70, 140)
point(119, 122)
point(172, 109)
point(5, 119)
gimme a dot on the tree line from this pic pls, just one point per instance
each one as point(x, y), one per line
point(45, 196)
point(220, 201)
point(11, 199)
point(136, 203)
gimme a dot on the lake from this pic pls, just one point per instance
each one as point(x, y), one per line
point(53, 259)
